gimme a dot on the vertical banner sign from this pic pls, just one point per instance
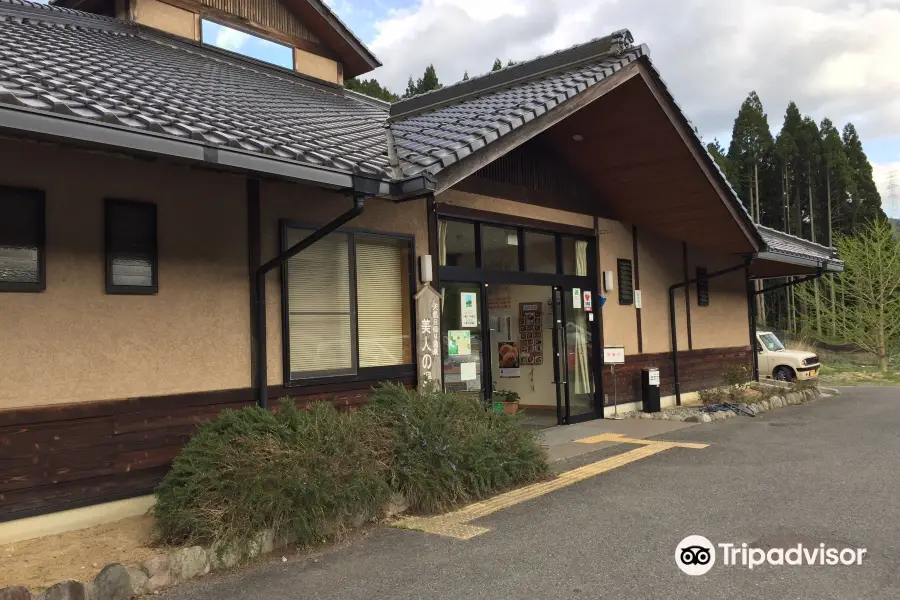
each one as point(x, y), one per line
point(531, 332)
point(428, 328)
point(468, 310)
point(588, 301)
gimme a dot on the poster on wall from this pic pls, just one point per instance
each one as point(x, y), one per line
point(508, 359)
point(459, 343)
point(468, 310)
point(531, 334)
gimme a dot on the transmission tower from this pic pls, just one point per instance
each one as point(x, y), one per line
point(893, 191)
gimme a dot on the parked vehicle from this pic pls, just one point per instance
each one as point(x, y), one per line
point(777, 362)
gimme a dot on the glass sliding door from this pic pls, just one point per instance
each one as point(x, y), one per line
point(462, 337)
point(579, 357)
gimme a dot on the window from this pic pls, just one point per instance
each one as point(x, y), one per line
point(540, 252)
point(500, 248)
point(574, 255)
point(348, 304)
point(247, 44)
point(457, 243)
point(131, 251)
point(22, 267)
point(626, 281)
point(702, 287)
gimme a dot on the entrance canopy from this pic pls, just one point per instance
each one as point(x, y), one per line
point(787, 255)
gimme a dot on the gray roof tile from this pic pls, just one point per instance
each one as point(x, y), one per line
point(784, 243)
point(116, 73)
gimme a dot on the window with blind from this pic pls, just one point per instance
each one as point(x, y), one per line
point(21, 240)
point(702, 287)
point(132, 263)
point(348, 304)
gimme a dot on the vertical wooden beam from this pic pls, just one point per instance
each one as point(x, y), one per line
point(637, 286)
point(254, 259)
point(687, 295)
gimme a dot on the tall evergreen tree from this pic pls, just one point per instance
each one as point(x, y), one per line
point(410, 88)
point(866, 206)
point(750, 156)
point(839, 185)
point(371, 87)
point(465, 76)
point(716, 150)
point(429, 81)
point(497, 65)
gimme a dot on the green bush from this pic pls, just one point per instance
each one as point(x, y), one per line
point(305, 473)
point(450, 449)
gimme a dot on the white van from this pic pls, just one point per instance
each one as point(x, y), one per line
point(777, 362)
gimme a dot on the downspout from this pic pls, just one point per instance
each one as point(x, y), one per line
point(262, 389)
point(674, 326)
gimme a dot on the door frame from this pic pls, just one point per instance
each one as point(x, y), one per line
point(487, 277)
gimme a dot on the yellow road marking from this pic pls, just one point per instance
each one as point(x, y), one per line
point(621, 439)
point(455, 524)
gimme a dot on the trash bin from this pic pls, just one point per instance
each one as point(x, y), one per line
point(650, 390)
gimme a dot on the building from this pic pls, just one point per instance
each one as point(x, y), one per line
point(155, 190)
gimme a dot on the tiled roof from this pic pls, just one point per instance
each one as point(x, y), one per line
point(115, 73)
point(790, 245)
point(445, 126)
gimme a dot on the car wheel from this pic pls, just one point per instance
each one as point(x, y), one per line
point(784, 374)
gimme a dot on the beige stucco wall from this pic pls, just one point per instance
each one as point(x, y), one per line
point(317, 66)
point(661, 263)
point(317, 207)
point(171, 19)
point(619, 322)
point(723, 323)
point(73, 342)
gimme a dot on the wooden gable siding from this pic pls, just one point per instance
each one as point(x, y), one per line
point(268, 13)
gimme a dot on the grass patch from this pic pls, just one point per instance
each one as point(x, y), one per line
point(305, 473)
point(449, 449)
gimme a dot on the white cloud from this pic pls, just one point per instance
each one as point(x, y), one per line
point(231, 39)
point(833, 58)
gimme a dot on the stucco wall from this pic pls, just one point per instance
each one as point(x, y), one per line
point(73, 342)
point(317, 207)
point(724, 322)
point(619, 322)
point(662, 264)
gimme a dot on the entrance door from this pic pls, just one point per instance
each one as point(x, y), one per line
point(574, 356)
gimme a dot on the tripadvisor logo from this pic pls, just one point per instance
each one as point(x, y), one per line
point(696, 555)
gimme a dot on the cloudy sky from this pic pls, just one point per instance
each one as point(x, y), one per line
point(835, 58)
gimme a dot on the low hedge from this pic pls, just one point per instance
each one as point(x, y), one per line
point(313, 473)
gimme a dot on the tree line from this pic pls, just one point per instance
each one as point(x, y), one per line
point(426, 83)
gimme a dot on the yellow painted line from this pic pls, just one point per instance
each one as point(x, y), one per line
point(455, 524)
point(621, 439)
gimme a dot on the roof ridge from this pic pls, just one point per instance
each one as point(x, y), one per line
point(601, 47)
point(51, 11)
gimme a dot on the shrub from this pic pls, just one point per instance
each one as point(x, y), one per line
point(450, 449)
point(305, 473)
point(711, 396)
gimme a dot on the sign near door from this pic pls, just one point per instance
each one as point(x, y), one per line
point(428, 350)
point(468, 310)
point(588, 301)
point(614, 355)
point(576, 297)
point(531, 334)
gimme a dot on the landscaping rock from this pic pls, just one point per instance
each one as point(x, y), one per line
point(138, 579)
point(188, 563)
point(114, 583)
point(15, 593)
point(765, 404)
point(699, 418)
point(157, 570)
point(646, 416)
point(264, 543)
point(64, 590)
point(223, 557)
point(676, 417)
point(777, 401)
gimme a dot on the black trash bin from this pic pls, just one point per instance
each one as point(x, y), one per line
point(650, 390)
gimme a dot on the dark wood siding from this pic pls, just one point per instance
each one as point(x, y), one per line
point(66, 456)
point(268, 13)
point(698, 369)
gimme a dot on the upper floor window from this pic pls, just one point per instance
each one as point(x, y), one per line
point(132, 263)
point(22, 260)
point(348, 304)
point(247, 44)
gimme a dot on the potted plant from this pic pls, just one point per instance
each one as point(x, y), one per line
point(509, 400)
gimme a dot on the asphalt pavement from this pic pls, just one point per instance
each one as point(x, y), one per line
point(822, 473)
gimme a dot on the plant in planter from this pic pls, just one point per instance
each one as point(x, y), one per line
point(509, 399)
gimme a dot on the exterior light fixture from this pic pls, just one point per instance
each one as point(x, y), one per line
point(578, 137)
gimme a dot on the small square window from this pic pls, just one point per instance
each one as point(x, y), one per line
point(132, 262)
point(22, 267)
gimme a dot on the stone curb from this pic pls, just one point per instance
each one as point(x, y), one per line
point(119, 582)
point(793, 398)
